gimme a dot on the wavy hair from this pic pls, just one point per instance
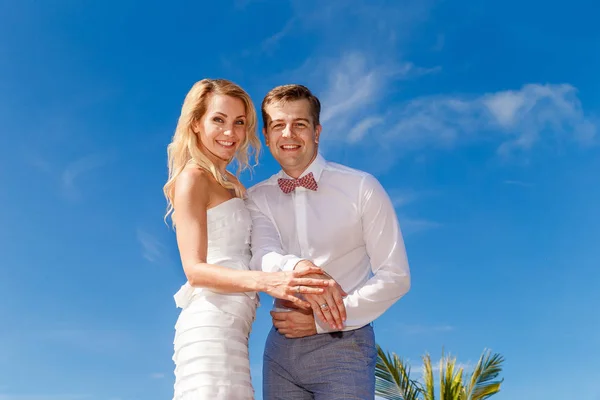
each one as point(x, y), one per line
point(184, 149)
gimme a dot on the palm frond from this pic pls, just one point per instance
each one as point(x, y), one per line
point(429, 389)
point(392, 378)
point(451, 379)
point(483, 382)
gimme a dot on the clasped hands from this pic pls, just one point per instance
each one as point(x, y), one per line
point(328, 306)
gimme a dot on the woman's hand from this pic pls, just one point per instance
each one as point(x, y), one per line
point(328, 305)
point(286, 285)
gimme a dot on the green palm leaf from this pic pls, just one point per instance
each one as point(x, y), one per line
point(451, 379)
point(392, 378)
point(483, 382)
point(429, 389)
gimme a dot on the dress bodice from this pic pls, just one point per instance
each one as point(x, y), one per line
point(228, 228)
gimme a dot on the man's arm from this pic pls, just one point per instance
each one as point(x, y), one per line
point(385, 247)
point(268, 256)
point(267, 253)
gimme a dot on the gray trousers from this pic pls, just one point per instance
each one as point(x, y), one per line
point(328, 366)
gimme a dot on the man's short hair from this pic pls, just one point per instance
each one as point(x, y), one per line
point(287, 93)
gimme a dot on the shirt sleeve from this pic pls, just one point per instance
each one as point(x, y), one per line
point(267, 252)
point(389, 264)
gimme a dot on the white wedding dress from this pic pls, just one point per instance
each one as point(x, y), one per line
point(211, 333)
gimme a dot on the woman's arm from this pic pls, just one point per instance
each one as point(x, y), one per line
point(191, 200)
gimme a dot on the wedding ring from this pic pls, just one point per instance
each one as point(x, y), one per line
point(298, 289)
point(324, 306)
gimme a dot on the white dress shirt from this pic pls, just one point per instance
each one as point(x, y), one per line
point(348, 227)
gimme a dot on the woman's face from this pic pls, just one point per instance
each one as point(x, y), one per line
point(222, 129)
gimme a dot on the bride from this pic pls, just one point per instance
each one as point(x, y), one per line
point(218, 301)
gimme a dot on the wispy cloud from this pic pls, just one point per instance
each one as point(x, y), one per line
point(439, 42)
point(401, 198)
point(271, 43)
point(359, 23)
point(152, 248)
point(364, 113)
point(359, 131)
point(76, 170)
point(157, 375)
point(516, 120)
point(416, 225)
point(356, 60)
point(352, 92)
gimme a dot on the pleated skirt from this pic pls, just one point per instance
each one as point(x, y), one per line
point(211, 348)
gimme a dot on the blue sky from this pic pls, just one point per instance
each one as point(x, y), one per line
point(481, 119)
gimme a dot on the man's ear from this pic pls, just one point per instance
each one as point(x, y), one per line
point(318, 129)
point(266, 137)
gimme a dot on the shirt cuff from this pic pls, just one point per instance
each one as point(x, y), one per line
point(321, 326)
point(289, 264)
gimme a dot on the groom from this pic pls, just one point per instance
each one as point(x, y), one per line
point(340, 219)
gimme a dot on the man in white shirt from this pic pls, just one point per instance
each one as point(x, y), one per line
point(341, 220)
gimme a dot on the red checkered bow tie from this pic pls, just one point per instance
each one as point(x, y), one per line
point(289, 185)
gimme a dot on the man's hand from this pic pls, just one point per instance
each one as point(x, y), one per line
point(296, 323)
point(328, 306)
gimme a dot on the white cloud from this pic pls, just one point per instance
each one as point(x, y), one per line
point(516, 120)
point(269, 44)
point(157, 375)
point(356, 69)
point(401, 197)
point(504, 106)
point(439, 42)
point(152, 248)
point(360, 130)
point(352, 84)
point(356, 60)
point(80, 167)
point(409, 225)
point(362, 24)
point(355, 85)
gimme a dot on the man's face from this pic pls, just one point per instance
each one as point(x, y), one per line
point(292, 136)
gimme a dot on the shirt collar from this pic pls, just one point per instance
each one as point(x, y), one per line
point(316, 167)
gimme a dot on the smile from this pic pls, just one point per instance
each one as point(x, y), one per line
point(290, 146)
point(225, 143)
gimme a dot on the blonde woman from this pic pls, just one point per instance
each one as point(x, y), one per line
point(217, 126)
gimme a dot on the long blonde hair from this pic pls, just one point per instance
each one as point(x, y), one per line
point(184, 149)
